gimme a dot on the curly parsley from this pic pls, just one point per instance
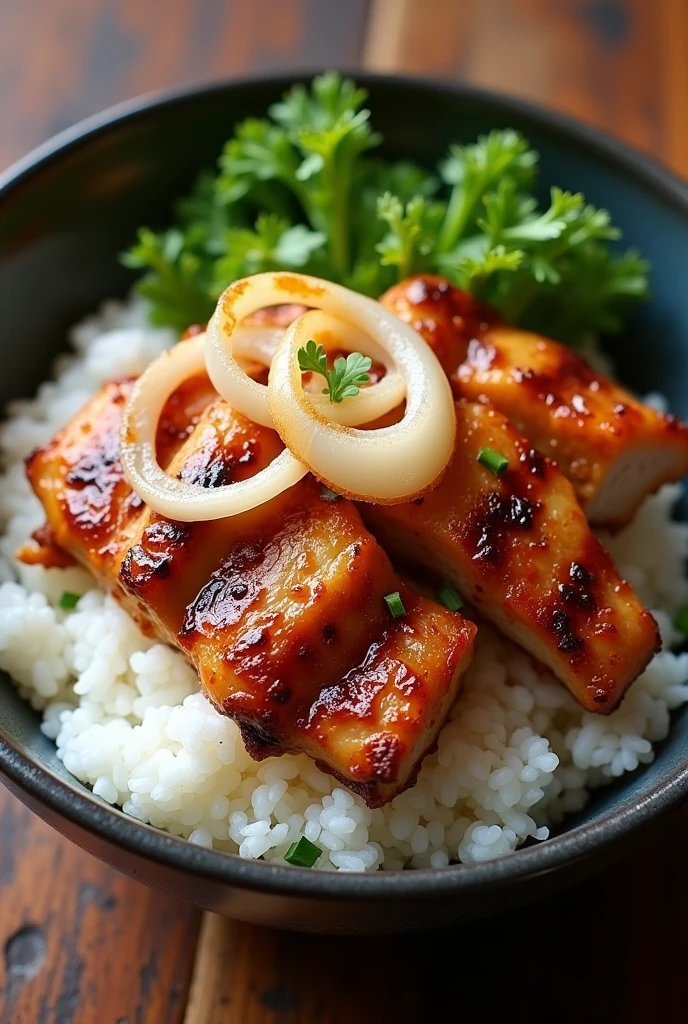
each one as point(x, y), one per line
point(346, 375)
point(303, 189)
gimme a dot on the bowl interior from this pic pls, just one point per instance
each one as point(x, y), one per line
point(65, 218)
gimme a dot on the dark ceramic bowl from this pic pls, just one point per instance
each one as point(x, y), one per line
point(65, 213)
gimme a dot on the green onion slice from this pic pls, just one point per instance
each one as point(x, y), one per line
point(681, 619)
point(450, 598)
point(493, 461)
point(303, 853)
point(395, 604)
point(68, 600)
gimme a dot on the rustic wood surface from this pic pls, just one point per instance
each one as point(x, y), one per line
point(618, 64)
point(61, 60)
point(83, 944)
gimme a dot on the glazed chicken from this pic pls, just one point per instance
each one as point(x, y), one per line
point(614, 450)
point(281, 610)
point(518, 546)
point(520, 550)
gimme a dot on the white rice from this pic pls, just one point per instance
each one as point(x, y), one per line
point(129, 720)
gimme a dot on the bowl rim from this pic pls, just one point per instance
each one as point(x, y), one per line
point(77, 804)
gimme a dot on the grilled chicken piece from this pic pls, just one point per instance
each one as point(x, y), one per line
point(281, 609)
point(614, 450)
point(519, 548)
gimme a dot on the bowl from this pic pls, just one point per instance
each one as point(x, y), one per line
point(66, 210)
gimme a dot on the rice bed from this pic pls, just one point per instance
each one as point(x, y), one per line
point(128, 717)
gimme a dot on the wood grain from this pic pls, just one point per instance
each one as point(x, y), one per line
point(81, 942)
point(673, 20)
point(61, 60)
point(619, 64)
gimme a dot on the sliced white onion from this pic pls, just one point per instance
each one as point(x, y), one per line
point(257, 342)
point(373, 400)
point(247, 296)
point(387, 465)
point(391, 464)
point(165, 494)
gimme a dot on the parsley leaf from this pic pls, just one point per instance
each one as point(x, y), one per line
point(548, 270)
point(177, 282)
point(259, 152)
point(474, 171)
point(179, 264)
point(300, 189)
point(331, 130)
point(344, 378)
point(401, 179)
point(312, 359)
point(410, 242)
point(272, 244)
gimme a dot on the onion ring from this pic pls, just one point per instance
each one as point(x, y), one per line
point(389, 465)
point(250, 294)
point(257, 343)
point(373, 400)
point(165, 494)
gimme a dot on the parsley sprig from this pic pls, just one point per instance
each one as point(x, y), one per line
point(346, 375)
point(304, 188)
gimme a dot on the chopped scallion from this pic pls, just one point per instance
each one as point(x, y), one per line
point(451, 598)
point(68, 600)
point(493, 461)
point(395, 604)
point(681, 619)
point(303, 853)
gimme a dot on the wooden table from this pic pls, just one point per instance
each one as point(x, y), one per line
point(83, 944)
